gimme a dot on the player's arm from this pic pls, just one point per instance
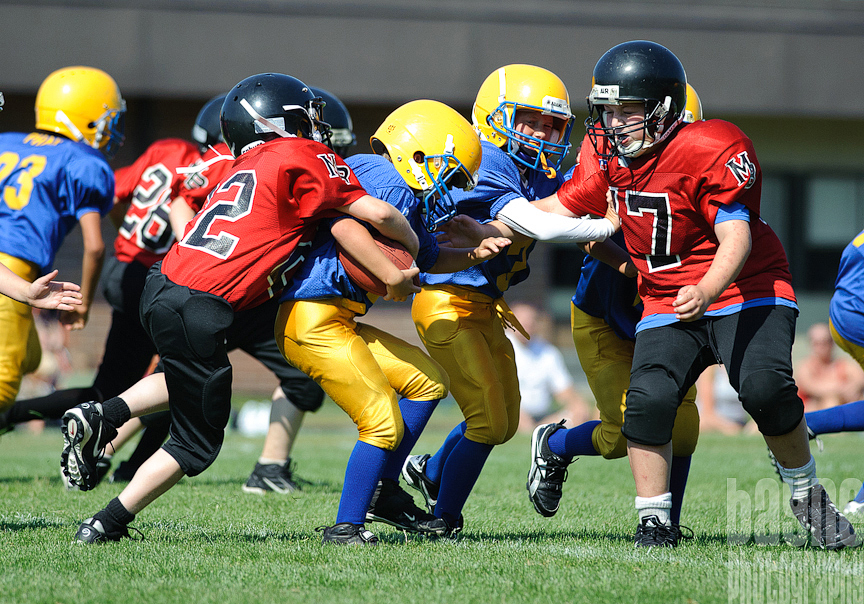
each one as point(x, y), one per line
point(356, 240)
point(612, 254)
point(180, 215)
point(42, 293)
point(91, 268)
point(453, 260)
point(533, 222)
point(732, 253)
point(386, 219)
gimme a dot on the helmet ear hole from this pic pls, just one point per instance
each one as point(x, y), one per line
point(419, 157)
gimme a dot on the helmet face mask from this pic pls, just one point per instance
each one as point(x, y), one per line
point(268, 106)
point(434, 149)
point(335, 124)
point(636, 72)
point(515, 88)
point(83, 104)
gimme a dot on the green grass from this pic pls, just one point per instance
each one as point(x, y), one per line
point(208, 542)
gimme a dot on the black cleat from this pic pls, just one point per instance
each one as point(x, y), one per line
point(346, 533)
point(93, 531)
point(547, 473)
point(271, 478)
point(441, 527)
point(86, 433)
point(414, 473)
point(653, 533)
point(392, 505)
point(829, 528)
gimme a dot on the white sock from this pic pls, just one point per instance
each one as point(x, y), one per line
point(655, 506)
point(266, 461)
point(800, 480)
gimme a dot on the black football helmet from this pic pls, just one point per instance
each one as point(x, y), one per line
point(267, 106)
point(206, 131)
point(337, 129)
point(643, 72)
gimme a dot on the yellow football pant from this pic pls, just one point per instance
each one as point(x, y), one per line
point(855, 351)
point(464, 332)
point(606, 361)
point(20, 351)
point(363, 369)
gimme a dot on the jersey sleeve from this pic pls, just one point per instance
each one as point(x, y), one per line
point(92, 184)
point(322, 181)
point(734, 176)
point(585, 186)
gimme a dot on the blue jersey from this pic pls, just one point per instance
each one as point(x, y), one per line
point(605, 293)
point(847, 303)
point(322, 275)
point(500, 182)
point(48, 183)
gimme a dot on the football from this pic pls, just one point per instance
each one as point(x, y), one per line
point(365, 280)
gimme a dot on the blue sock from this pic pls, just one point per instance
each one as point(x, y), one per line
point(415, 414)
point(461, 471)
point(842, 418)
point(860, 496)
point(677, 483)
point(575, 441)
point(435, 465)
point(361, 478)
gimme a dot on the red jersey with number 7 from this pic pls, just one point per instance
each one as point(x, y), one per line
point(668, 200)
point(258, 224)
point(145, 235)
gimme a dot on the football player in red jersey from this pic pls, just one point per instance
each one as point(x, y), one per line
point(237, 253)
point(142, 207)
point(712, 274)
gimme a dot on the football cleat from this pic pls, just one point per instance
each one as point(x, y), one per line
point(346, 533)
point(271, 478)
point(653, 533)
point(414, 473)
point(854, 507)
point(86, 433)
point(103, 466)
point(547, 473)
point(441, 528)
point(829, 529)
point(93, 531)
point(392, 505)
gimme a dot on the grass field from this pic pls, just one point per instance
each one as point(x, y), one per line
point(208, 542)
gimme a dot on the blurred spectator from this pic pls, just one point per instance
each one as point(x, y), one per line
point(545, 385)
point(824, 381)
point(720, 409)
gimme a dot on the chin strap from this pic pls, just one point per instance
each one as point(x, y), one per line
point(550, 171)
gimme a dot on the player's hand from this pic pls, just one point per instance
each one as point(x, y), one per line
point(460, 232)
point(400, 290)
point(691, 303)
point(75, 319)
point(491, 246)
point(48, 294)
point(611, 214)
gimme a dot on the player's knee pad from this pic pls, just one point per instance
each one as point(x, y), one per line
point(384, 435)
point(650, 414)
point(494, 432)
point(685, 432)
point(217, 416)
point(609, 441)
point(306, 396)
point(771, 398)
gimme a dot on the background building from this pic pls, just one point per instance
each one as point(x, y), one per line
point(788, 72)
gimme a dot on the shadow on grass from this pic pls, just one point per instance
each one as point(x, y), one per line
point(325, 486)
point(29, 524)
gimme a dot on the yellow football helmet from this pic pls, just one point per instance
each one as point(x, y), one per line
point(84, 104)
point(434, 149)
point(693, 106)
point(516, 87)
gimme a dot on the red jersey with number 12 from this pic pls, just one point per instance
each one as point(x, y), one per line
point(145, 235)
point(667, 201)
point(257, 226)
